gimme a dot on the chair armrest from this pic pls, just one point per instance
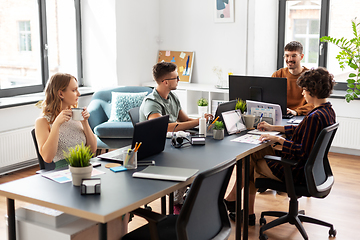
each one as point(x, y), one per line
point(289, 162)
point(150, 216)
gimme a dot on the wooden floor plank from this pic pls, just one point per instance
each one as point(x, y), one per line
point(340, 208)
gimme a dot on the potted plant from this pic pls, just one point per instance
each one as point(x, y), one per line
point(218, 130)
point(240, 105)
point(202, 106)
point(78, 159)
point(349, 55)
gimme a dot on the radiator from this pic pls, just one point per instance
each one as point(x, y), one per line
point(17, 150)
point(348, 133)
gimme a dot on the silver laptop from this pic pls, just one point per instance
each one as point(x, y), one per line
point(152, 135)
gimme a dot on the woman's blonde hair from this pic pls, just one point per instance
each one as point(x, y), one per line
point(52, 105)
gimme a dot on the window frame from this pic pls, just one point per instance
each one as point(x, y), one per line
point(44, 65)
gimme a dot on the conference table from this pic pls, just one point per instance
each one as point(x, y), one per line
point(121, 193)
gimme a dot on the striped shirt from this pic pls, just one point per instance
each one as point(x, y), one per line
point(301, 139)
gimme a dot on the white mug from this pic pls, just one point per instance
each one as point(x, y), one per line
point(76, 114)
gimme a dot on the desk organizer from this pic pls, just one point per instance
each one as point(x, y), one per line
point(90, 186)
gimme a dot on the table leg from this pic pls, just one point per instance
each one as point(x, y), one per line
point(11, 219)
point(102, 231)
point(171, 203)
point(238, 199)
point(246, 198)
point(163, 205)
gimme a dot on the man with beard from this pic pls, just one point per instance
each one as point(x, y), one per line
point(296, 103)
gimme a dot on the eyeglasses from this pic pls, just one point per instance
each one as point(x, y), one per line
point(291, 56)
point(176, 78)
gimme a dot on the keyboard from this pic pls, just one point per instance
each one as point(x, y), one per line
point(287, 116)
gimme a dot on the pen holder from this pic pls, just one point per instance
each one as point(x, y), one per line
point(130, 159)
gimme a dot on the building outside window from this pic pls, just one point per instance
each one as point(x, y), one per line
point(24, 36)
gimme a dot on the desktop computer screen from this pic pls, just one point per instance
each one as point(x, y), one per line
point(261, 89)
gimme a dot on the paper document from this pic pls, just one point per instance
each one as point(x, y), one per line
point(248, 138)
point(166, 173)
point(263, 132)
point(64, 176)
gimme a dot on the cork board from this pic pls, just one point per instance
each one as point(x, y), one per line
point(183, 60)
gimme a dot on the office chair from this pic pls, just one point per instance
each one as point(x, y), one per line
point(134, 115)
point(203, 215)
point(319, 180)
point(44, 166)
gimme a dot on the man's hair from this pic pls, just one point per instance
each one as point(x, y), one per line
point(294, 46)
point(161, 69)
point(319, 82)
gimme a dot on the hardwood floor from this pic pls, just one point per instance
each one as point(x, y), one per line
point(340, 208)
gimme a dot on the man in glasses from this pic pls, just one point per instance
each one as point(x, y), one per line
point(296, 103)
point(162, 101)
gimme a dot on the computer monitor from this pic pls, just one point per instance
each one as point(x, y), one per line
point(261, 89)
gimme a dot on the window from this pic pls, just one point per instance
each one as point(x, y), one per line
point(24, 36)
point(307, 21)
point(42, 37)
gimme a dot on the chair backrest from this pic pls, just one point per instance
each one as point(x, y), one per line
point(204, 215)
point(43, 165)
point(100, 104)
point(134, 115)
point(318, 174)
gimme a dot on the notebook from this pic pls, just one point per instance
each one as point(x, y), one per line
point(152, 134)
point(166, 173)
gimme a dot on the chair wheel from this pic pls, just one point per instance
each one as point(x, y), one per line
point(302, 212)
point(263, 237)
point(262, 221)
point(332, 232)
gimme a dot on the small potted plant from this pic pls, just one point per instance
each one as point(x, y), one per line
point(218, 130)
point(78, 159)
point(240, 105)
point(202, 106)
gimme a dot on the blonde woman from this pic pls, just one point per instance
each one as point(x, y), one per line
point(55, 130)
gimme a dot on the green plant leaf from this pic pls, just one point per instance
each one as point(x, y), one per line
point(357, 92)
point(350, 85)
point(352, 75)
point(350, 80)
point(349, 91)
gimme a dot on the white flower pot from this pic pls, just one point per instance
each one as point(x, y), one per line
point(218, 134)
point(202, 110)
point(79, 173)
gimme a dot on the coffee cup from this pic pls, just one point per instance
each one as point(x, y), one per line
point(77, 114)
point(249, 121)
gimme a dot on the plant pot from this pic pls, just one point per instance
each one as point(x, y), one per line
point(218, 134)
point(202, 110)
point(78, 173)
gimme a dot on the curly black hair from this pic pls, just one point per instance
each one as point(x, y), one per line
point(319, 82)
point(161, 69)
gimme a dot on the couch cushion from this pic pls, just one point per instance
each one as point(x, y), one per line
point(122, 102)
point(114, 130)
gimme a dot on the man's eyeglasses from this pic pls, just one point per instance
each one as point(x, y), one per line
point(290, 56)
point(176, 78)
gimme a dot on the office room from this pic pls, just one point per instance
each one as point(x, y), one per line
point(120, 43)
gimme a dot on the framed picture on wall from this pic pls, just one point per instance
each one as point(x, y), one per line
point(224, 11)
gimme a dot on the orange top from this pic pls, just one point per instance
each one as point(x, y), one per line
point(295, 99)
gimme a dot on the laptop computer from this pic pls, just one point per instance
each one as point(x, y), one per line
point(152, 134)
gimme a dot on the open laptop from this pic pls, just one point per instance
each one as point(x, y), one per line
point(152, 134)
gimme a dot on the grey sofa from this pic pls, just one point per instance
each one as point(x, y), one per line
point(111, 135)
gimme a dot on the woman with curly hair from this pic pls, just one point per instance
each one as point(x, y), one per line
point(316, 85)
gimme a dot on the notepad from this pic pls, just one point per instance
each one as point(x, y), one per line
point(166, 173)
point(118, 169)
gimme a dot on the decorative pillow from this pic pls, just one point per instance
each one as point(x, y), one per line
point(122, 102)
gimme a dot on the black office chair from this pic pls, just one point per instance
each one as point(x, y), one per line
point(319, 180)
point(44, 166)
point(203, 215)
point(134, 115)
